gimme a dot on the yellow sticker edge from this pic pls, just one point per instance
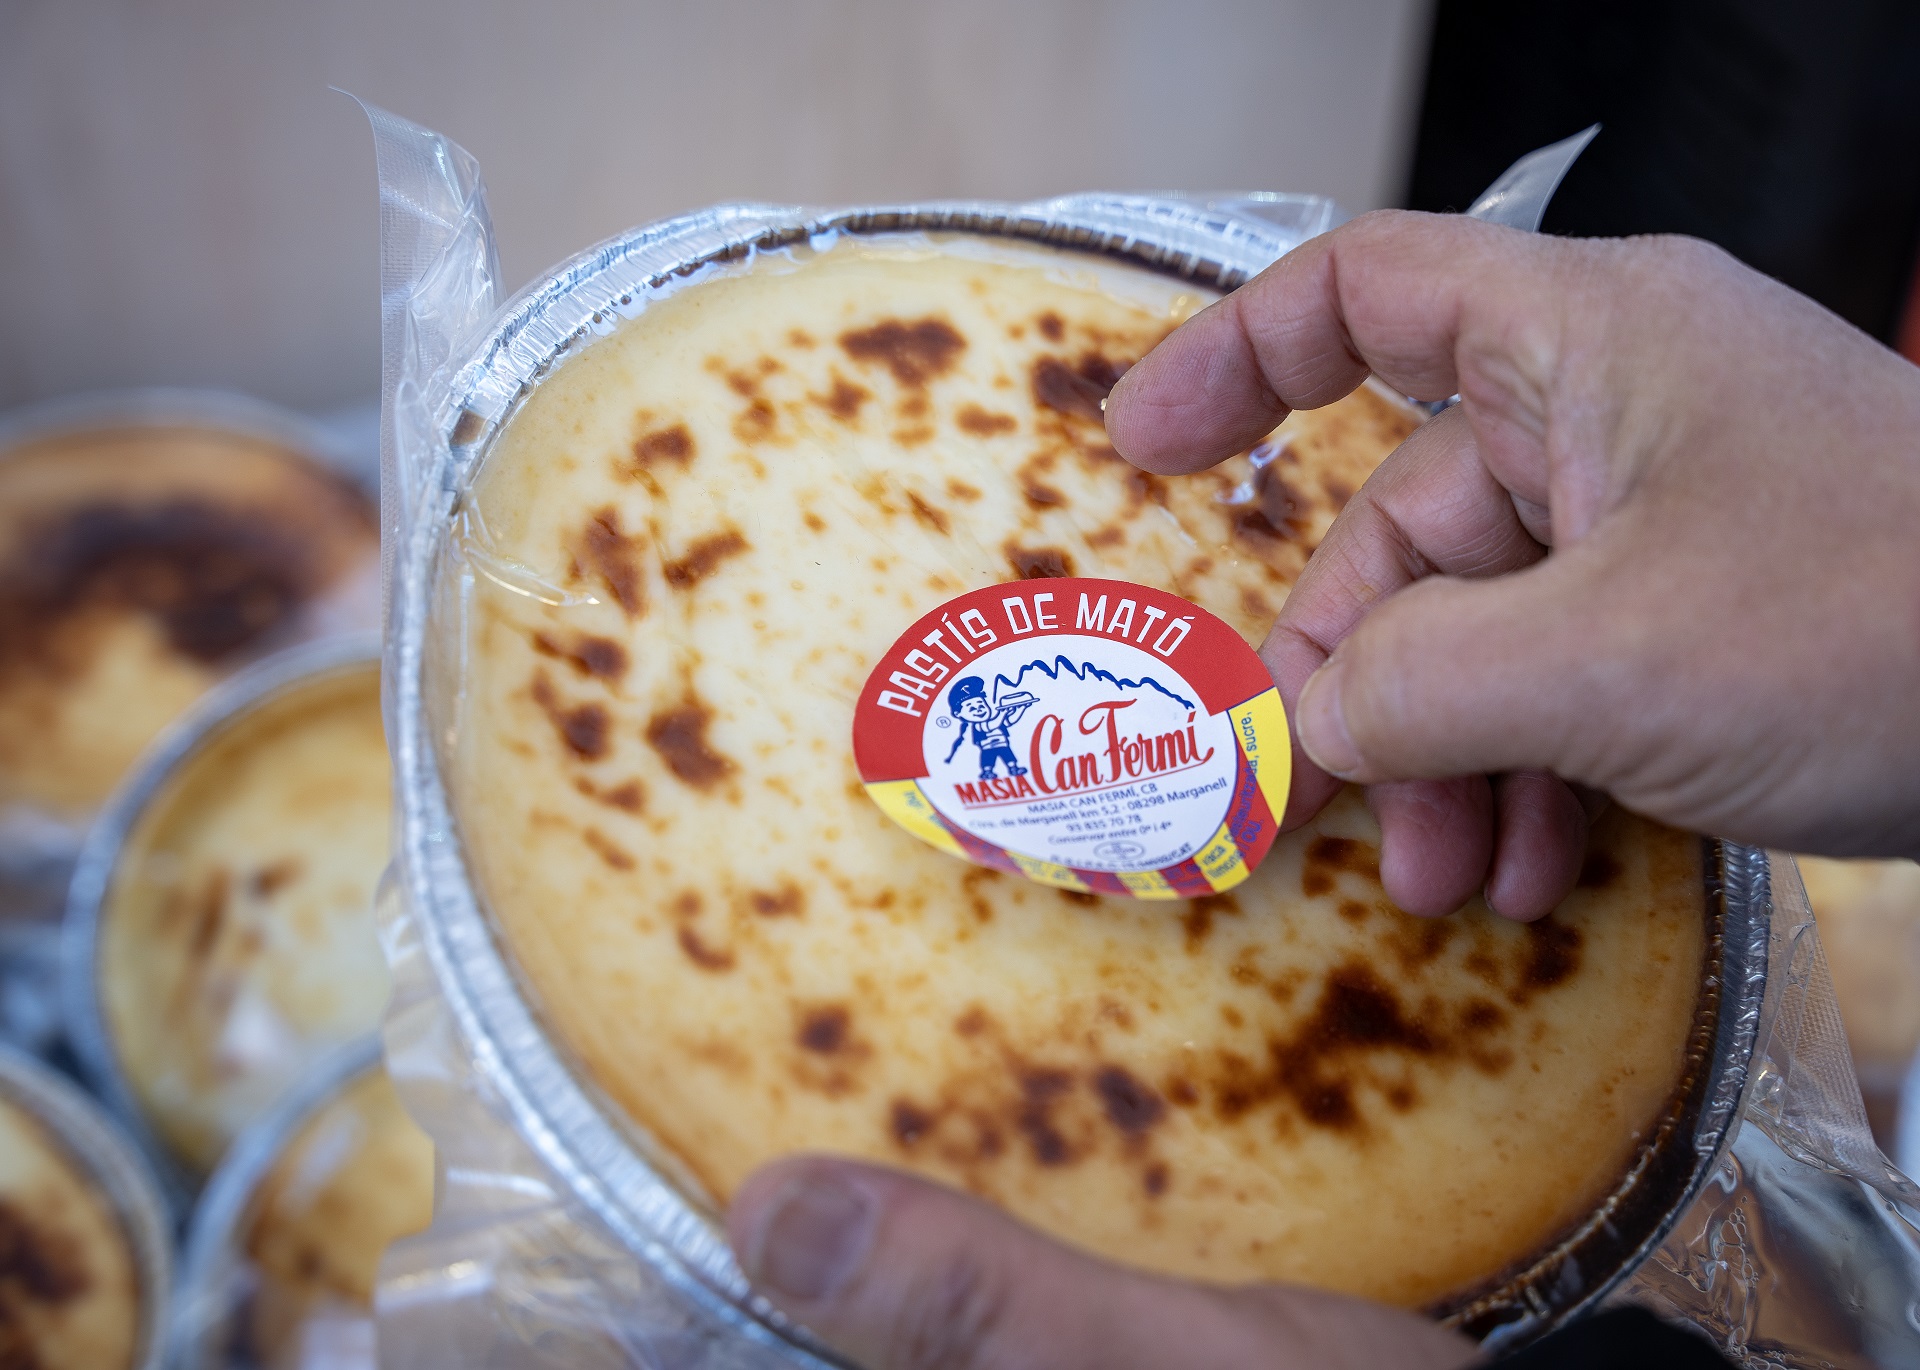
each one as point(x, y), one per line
point(1049, 873)
point(1260, 727)
point(905, 804)
point(1220, 861)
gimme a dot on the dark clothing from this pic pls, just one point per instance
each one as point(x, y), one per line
point(991, 756)
point(1626, 1337)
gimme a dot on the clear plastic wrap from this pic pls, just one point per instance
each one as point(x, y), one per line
point(279, 1261)
point(559, 1237)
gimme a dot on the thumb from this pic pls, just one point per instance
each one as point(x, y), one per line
point(1453, 677)
point(900, 1274)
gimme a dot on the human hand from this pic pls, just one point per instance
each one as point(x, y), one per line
point(1726, 636)
point(901, 1274)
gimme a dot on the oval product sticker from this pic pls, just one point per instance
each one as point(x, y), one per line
point(1095, 735)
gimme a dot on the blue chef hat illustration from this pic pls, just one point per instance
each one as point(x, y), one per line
point(967, 687)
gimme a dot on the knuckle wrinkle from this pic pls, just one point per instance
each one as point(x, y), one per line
point(950, 1319)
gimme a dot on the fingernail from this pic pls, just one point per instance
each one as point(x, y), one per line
point(1323, 724)
point(813, 1237)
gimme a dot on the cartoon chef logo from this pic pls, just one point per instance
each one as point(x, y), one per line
point(987, 725)
point(1089, 734)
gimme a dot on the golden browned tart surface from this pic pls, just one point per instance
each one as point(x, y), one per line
point(236, 942)
point(689, 547)
point(356, 1178)
point(69, 1294)
point(136, 566)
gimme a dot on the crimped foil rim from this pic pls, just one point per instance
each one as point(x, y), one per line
point(85, 1018)
point(182, 407)
point(582, 1141)
point(202, 1301)
point(90, 1136)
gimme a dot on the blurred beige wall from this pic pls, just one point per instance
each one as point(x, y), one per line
point(183, 201)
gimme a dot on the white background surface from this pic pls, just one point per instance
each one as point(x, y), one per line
point(183, 201)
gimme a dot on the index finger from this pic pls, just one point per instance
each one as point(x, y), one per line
point(1417, 299)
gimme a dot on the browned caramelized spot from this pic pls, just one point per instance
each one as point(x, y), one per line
point(211, 915)
point(703, 558)
point(1277, 514)
point(814, 521)
point(915, 352)
point(588, 655)
point(1417, 942)
point(971, 883)
point(1131, 1103)
point(1319, 1066)
point(270, 879)
point(1356, 1012)
point(1198, 919)
point(1154, 1180)
point(214, 580)
point(628, 796)
point(933, 518)
point(909, 1122)
point(1050, 326)
point(1181, 1091)
point(1038, 563)
point(755, 422)
point(1326, 857)
point(1081, 897)
point(39, 1264)
point(1338, 493)
point(1477, 1015)
point(972, 1023)
point(613, 556)
point(1254, 603)
point(583, 727)
point(959, 489)
point(702, 955)
point(844, 400)
point(1041, 496)
point(1553, 954)
point(1354, 911)
point(1109, 536)
point(1040, 1090)
point(745, 383)
point(824, 1029)
point(1143, 487)
point(984, 423)
point(799, 337)
point(1599, 870)
point(785, 902)
point(1076, 390)
point(673, 444)
point(679, 735)
point(608, 850)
